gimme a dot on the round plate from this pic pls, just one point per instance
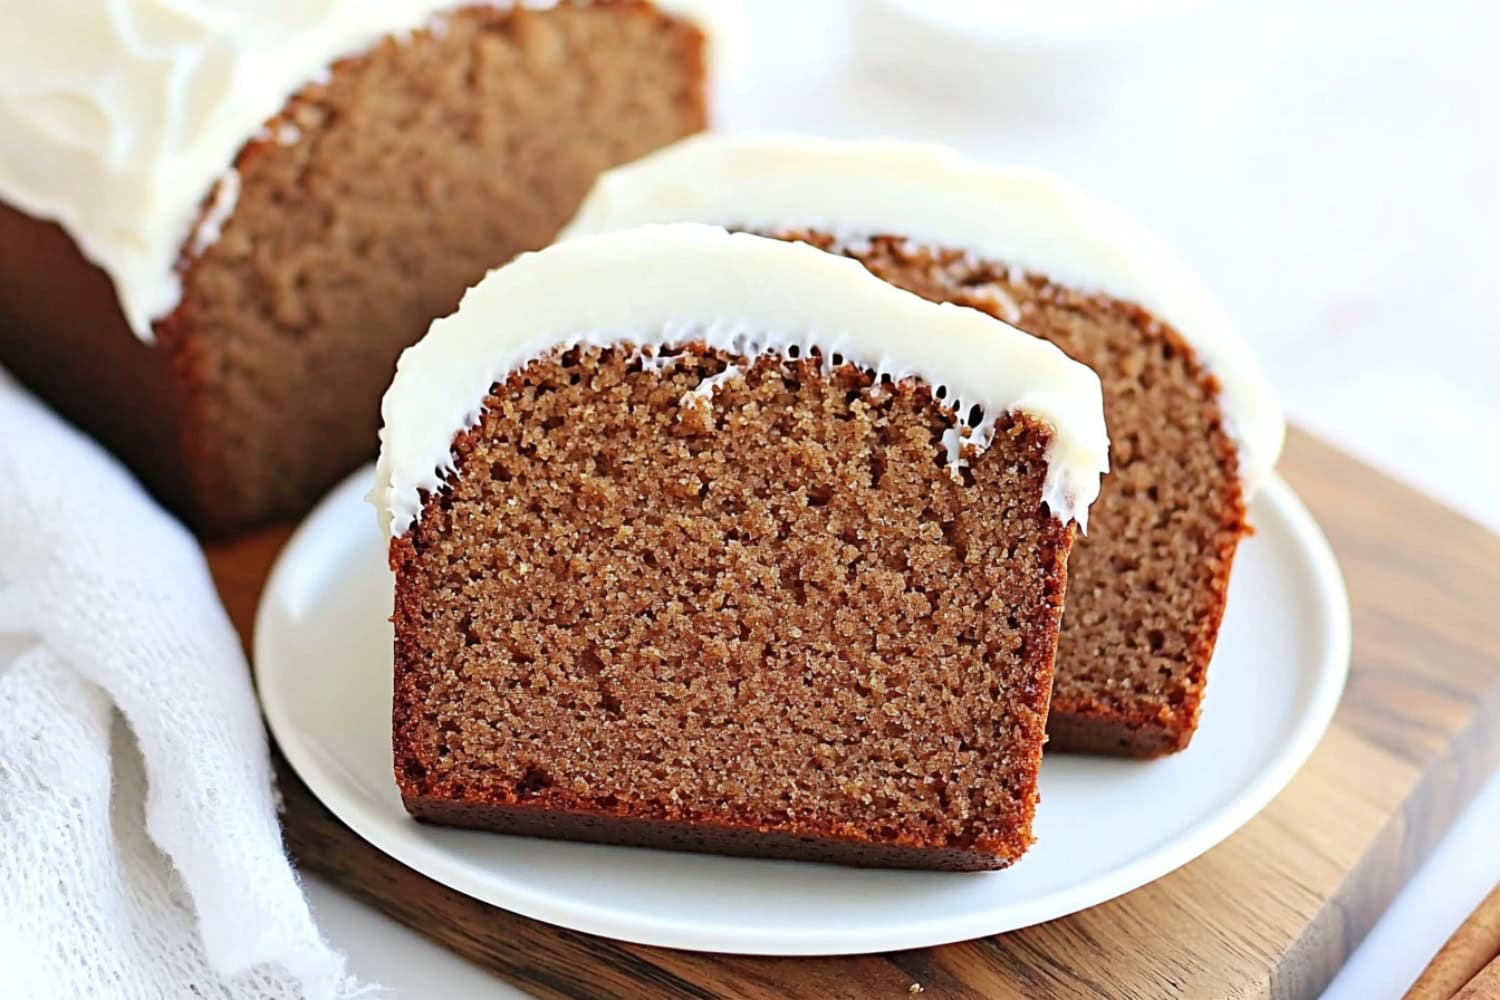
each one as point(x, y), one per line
point(1104, 827)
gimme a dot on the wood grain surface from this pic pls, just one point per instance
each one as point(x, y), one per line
point(1272, 912)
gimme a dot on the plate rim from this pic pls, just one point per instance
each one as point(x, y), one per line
point(647, 928)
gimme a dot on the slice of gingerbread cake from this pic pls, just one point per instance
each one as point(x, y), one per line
point(1193, 424)
point(716, 542)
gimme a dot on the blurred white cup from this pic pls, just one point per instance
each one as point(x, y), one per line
point(1026, 58)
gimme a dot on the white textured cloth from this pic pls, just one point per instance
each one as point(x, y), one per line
point(140, 855)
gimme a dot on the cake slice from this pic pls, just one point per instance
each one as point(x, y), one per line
point(221, 222)
point(1193, 424)
point(717, 542)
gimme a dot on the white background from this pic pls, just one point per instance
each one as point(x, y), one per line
point(1331, 168)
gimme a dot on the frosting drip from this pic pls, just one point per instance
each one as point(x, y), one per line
point(665, 286)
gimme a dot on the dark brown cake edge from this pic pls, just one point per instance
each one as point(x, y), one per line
point(1115, 734)
point(62, 334)
point(706, 838)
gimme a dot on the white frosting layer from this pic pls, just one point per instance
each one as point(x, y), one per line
point(117, 117)
point(669, 285)
point(931, 195)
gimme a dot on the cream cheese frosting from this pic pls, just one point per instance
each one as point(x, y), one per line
point(931, 195)
point(659, 286)
point(119, 117)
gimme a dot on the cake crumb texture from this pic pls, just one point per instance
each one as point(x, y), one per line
point(769, 621)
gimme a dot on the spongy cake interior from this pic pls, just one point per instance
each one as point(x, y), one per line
point(767, 603)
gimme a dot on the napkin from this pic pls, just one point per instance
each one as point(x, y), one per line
point(140, 854)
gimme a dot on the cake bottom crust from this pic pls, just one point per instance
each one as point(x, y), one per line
point(741, 841)
point(1113, 733)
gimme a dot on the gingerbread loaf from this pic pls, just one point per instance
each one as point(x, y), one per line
point(715, 542)
point(1193, 425)
point(214, 263)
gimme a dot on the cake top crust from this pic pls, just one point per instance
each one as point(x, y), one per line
point(120, 120)
point(748, 295)
point(931, 195)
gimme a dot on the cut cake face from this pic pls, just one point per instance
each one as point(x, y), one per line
point(716, 542)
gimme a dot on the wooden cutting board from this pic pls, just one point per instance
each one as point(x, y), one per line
point(1272, 912)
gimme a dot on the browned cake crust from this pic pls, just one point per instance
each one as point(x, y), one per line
point(1148, 583)
point(419, 166)
point(772, 624)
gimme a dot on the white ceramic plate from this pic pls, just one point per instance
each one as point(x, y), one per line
point(1104, 827)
